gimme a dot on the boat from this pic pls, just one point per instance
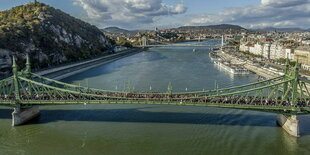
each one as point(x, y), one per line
point(236, 69)
point(232, 68)
point(260, 78)
point(194, 50)
point(214, 56)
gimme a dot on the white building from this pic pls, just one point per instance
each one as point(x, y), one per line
point(257, 49)
point(305, 42)
point(245, 47)
point(266, 50)
point(302, 55)
point(289, 53)
point(277, 51)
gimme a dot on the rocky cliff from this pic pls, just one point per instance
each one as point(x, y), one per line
point(49, 35)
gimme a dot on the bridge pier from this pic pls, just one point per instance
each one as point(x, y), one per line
point(289, 123)
point(22, 115)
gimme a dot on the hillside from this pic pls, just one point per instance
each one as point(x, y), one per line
point(49, 35)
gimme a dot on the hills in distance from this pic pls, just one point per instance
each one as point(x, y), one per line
point(208, 27)
point(221, 27)
point(268, 29)
point(49, 35)
point(184, 28)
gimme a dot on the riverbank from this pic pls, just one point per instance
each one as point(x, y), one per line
point(62, 72)
point(257, 69)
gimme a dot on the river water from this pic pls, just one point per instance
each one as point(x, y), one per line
point(153, 129)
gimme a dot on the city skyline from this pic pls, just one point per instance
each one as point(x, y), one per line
point(147, 14)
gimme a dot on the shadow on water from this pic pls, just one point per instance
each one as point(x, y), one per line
point(137, 115)
point(140, 116)
point(304, 124)
point(116, 65)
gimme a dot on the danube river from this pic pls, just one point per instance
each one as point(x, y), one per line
point(153, 129)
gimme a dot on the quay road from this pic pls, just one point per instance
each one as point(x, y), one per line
point(183, 45)
point(68, 70)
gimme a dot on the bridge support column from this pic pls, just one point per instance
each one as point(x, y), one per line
point(289, 123)
point(22, 115)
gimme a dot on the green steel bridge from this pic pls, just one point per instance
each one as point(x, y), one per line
point(287, 94)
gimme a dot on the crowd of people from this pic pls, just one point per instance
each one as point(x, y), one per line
point(182, 99)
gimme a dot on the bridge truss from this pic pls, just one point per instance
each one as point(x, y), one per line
point(287, 94)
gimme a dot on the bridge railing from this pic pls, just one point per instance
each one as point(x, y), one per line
point(40, 89)
point(200, 93)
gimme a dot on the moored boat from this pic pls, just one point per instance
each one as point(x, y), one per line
point(232, 68)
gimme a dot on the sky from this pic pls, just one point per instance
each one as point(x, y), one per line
point(148, 14)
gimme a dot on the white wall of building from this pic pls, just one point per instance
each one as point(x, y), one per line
point(257, 49)
point(289, 54)
point(244, 48)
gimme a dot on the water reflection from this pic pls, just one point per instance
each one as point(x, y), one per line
point(231, 76)
point(289, 142)
point(156, 68)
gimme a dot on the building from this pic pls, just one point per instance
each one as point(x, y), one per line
point(306, 41)
point(245, 47)
point(302, 56)
point(276, 51)
point(257, 49)
point(266, 50)
point(289, 54)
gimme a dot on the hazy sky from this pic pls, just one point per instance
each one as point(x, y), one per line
point(147, 14)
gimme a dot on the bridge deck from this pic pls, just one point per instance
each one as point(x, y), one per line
point(267, 108)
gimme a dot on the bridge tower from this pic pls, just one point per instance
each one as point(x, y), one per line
point(15, 81)
point(290, 123)
point(286, 76)
point(28, 73)
point(21, 114)
point(143, 41)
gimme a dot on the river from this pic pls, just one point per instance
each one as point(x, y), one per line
point(152, 129)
